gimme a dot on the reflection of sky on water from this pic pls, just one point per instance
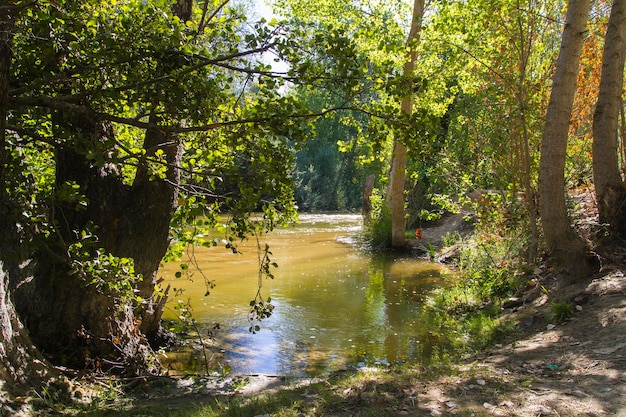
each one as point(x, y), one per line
point(335, 306)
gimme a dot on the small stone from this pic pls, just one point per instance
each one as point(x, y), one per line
point(550, 326)
point(480, 382)
point(489, 406)
point(450, 404)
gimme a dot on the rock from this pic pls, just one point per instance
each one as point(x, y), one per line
point(512, 303)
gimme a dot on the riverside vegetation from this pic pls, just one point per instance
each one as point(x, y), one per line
point(508, 341)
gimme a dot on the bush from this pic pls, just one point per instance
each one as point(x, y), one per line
point(377, 232)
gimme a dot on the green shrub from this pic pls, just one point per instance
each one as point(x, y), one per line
point(560, 311)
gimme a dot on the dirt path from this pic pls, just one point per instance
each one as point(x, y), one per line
point(573, 369)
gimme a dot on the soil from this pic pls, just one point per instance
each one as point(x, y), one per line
point(577, 368)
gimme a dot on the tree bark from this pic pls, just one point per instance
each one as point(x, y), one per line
point(610, 187)
point(524, 142)
point(399, 157)
point(146, 235)
point(565, 247)
point(22, 367)
point(82, 325)
point(78, 323)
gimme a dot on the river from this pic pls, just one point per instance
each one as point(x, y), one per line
point(336, 306)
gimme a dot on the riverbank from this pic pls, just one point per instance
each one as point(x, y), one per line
point(572, 364)
point(576, 368)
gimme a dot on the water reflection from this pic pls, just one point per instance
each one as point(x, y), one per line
point(336, 306)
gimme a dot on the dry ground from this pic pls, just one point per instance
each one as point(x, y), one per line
point(573, 369)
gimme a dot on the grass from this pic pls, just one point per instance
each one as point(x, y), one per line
point(366, 393)
point(560, 311)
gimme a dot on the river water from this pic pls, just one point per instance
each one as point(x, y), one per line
point(336, 306)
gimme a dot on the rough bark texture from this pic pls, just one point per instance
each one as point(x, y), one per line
point(398, 163)
point(146, 231)
point(610, 189)
point(85, 325)
point(566, 249)
point(22, 368)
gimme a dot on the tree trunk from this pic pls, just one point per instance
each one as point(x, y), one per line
point(146, 230)
point(565, 247)
point(83, 325)
point(22, 367)
point(610, 189)
point(368, 188)
point(398, 162)
point(524, 144)
point(79, 323)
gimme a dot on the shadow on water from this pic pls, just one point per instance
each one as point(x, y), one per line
point(335, 306)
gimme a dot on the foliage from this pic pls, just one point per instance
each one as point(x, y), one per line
point(377, 233)
point(578, 168)
point(560, 311)
point(466, 316)
point(96, 80)
point(161, 118)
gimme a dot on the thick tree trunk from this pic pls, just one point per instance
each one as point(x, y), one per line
point(398, 162)
point(566, 249)
point(79, 323)
point(146, 230)
point(610, 188)
point(22, 367)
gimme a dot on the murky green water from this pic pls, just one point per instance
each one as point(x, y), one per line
point(336, 306)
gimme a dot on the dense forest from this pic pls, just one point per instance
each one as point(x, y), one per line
point(130, 127)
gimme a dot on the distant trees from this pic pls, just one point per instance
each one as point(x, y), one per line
point(482, 94)
point(128, 125)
